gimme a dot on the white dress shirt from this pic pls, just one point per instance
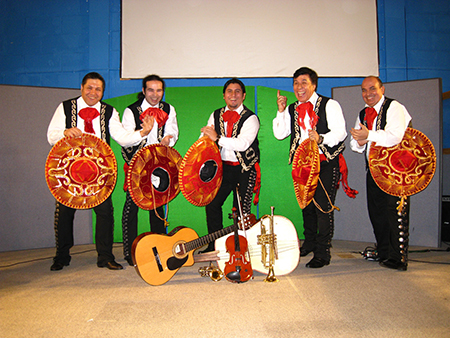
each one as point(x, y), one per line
point(335, 120)
point(247, 135)
point(57, 126)
point(171, 126)
point(397, 120)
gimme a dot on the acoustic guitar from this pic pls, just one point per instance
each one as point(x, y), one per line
point(157, 257)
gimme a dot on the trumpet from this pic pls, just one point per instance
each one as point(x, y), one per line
point(211, 271)
point(269, 250)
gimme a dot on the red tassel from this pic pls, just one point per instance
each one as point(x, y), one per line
point(125, 169)
point(257, 187)
point(344, 176)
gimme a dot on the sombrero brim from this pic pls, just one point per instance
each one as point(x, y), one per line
point(405, 169)
point(152, 176)
point(201, 172)
point(81, 172)
point(305, 172)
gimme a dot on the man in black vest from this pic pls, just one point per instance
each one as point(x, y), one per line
point(88, 113)
point(235, 130)
point(321, 120)
point(383, 121)
point(163, 119)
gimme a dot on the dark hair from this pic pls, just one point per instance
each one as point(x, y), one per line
point(234, 80)
point(153, 77)
point(93, 76)
point(307, 71)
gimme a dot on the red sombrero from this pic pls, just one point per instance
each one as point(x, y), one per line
point(152, 177)
point(81, 172)
point(305, 172)
point(201, 172)
point(406, 168)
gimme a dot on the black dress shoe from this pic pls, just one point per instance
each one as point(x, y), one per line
point(391, 264)
point(58, 266)
point(129, 260)
point(111, 265)
point(305, 252)
point(317, 263)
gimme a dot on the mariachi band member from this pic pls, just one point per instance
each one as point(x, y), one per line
point(383, 121)
point(235, 130)
point(164, 130)
point(320, 119)
point(72, 118)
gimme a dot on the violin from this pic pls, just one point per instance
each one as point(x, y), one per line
point(238, 269)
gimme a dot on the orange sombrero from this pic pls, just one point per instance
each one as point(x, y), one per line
point(406, 168)
point(305, 172)
point(152, 177)
point(81, 172)
point(201, 171)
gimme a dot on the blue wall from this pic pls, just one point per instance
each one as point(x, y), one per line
point(54, 43)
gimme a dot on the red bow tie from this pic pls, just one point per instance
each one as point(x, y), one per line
point(303, 109)
point(88, 114)
point(159, 115)
point(371, 115)
point(231, 117)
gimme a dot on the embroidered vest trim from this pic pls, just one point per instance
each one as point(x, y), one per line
point(106, 110)
point(248, 158)
point(322, 128)
point(381, 117)
point(128, 152)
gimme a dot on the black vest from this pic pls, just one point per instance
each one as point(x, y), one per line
point(381, 117)
point(106, 110)
point(246, 158)
point(322, 128)
point(128, 152)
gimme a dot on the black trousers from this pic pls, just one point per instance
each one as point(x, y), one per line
point(391, 230)
point(64, 217)
point(130, 223)
point(233, 177)
point(319, 226)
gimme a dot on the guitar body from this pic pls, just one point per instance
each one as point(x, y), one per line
point(287, 243)
point(158, 257)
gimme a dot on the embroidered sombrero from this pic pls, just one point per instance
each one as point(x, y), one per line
point(81, 172)
point(406, 168)
point(305, 172)
point(152, 176)
point(201, 170)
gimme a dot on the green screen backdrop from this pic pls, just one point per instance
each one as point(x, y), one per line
point(194, 106)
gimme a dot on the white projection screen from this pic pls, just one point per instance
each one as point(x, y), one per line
point(248, 38)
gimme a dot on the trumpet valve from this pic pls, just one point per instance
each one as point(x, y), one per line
point(266, 239)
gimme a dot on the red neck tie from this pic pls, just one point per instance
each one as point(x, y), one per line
point(370, 117)
point(88, 114)
point(231, 117)
point(159, 115)
point(303, 109)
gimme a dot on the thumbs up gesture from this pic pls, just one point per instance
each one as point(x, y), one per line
point(281, 102)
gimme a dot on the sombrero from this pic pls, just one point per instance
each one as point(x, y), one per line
point(152, 176)
point(201, 170)
point(406, 168)
point(305, 172)
point(81, 172)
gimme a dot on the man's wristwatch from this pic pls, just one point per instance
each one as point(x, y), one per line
point(320, 139)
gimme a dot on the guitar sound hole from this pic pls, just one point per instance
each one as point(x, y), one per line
point(180, 250)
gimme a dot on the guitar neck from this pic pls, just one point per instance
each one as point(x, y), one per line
point(199, 242)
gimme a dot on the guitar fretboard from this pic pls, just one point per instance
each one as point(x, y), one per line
point(199, 242)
